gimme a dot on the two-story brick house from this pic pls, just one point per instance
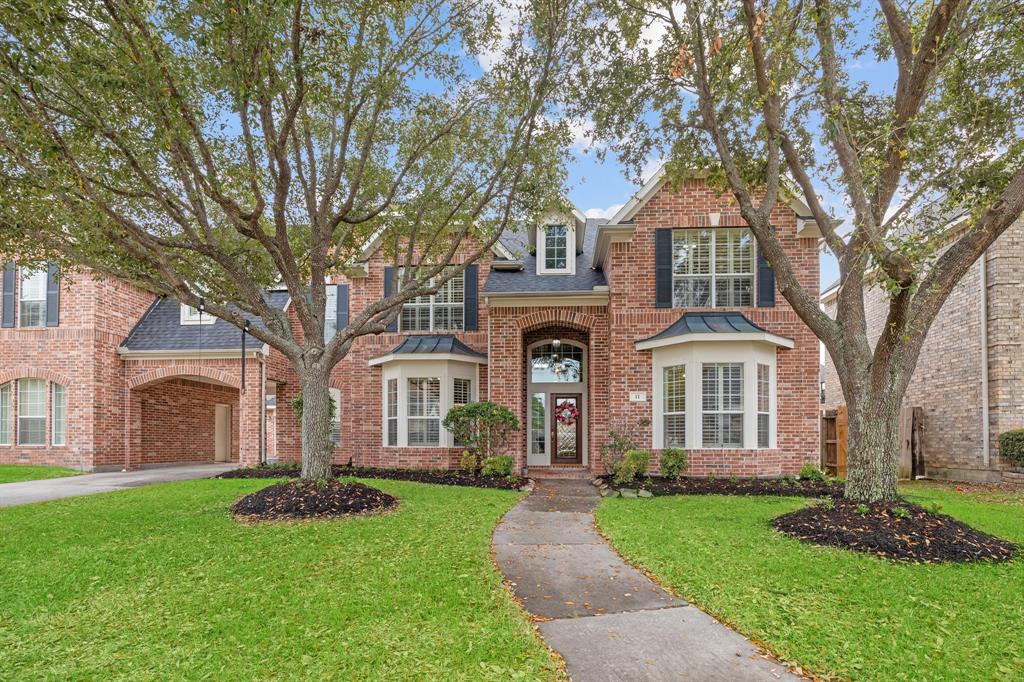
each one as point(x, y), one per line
point(665, 313)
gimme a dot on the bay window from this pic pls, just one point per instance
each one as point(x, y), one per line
point(58, 414)
point(674, 406)
point(722, 392)
point(763, 406)
point(391, 411)
point(713, 268)
point(424, 414)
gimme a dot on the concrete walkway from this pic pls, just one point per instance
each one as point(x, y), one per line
point(26, 492)
point(606, 619)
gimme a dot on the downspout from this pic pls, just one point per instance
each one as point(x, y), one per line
point(985, 429)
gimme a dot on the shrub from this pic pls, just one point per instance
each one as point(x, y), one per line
point(1011, 446)
point(499, 465)
point(468, 461)
point(673, 462)
point(809, 472)
point(622, 437)
point(482, 428)
point(632, 465)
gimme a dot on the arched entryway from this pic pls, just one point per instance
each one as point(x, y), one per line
point(557, 397)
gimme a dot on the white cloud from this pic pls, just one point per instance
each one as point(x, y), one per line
point(605, 213)
point(651, 167)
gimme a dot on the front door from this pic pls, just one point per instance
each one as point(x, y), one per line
point(567, 428)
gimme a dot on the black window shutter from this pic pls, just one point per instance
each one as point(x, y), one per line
point(389, 276)
point(765, 281)
point(663, 267)
point(471, 297)
point(342, 313)
point(52, 296)
point(8, 295)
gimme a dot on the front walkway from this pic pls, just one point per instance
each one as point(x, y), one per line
point(26, 492)
point(606, 619)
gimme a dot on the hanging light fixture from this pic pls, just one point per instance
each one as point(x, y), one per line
point(556, 363)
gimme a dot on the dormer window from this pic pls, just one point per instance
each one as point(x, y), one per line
point(556, 253)
point(190, 315)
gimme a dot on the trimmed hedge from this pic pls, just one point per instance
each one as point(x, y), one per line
point(1011, 446)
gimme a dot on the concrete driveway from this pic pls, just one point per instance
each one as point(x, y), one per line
point(27, 492)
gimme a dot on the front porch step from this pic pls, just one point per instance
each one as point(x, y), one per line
point(563, 472)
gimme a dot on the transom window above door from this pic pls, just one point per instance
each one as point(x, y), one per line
point(713, 268)
point(556, 362)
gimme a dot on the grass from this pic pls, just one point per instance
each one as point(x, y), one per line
point(13, 473)
point(161, 583)
point(836, 612)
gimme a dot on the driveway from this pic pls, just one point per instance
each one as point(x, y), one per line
point(27, 492)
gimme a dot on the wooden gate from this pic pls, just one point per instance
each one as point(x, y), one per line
point(834, 432)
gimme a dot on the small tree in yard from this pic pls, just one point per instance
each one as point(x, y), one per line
point(483, 429)
point(206, 150)
point(761, 99)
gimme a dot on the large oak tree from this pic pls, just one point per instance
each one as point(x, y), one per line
point(764, 95)
point(207, 149)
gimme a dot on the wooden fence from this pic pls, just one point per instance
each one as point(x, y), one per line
point(835, 433)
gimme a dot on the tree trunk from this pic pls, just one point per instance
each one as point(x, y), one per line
point(317, 447)
point(873, 448)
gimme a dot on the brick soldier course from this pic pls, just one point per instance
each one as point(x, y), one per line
point(141, 385)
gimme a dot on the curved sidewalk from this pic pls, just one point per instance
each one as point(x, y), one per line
point(606, 619)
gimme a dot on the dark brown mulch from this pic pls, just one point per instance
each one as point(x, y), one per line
point(307, 500)
point(436, 476)
point(728, 486)
point(918, 536)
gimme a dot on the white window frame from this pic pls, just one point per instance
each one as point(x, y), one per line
point(446, 371)
point(764, 397)
point(390, 411)
point(21, 409)
point(570, 250)
point(330, 312)
point(25, 276)
point(666, 412)
point(58, 423)
point(712, 274)
point(335, 416)
point(693, 355)
point(5, 413)
point(719, 407)
point(190, 315)
point(433, 303)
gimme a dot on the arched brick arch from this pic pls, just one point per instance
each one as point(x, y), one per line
point(173, 371)
point(25, 372)
point(556, 316)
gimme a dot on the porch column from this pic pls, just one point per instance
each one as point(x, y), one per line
point(251, 407)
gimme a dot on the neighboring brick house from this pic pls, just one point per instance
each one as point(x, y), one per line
point(665, 313)
point(972, 363)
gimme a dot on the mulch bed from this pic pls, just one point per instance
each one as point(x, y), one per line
point(301, 500)
point(727, 486)
point(436, 476)
point(915, 535)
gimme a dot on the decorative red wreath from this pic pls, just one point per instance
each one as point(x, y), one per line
point(566, 413)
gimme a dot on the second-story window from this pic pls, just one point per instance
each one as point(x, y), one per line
point(33, 298)
point(556, 247)
point(442, 311)
point(713, 268)
point(190, 315)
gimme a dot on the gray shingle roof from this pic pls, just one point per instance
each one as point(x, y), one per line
point(705, 323)
point(528, 281)
point(161, 329)
point(435, 343)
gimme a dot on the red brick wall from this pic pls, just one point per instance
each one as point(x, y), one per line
point(634, 317)
point(178, 421)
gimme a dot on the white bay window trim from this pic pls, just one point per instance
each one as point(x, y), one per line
point(404, 374)
point(696, 354)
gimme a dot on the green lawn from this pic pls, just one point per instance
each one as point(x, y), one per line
point(833, 611)
point(13, 473)
point(161, 583)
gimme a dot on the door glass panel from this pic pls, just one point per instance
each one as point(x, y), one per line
point(566, 416)
point(537, 435)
